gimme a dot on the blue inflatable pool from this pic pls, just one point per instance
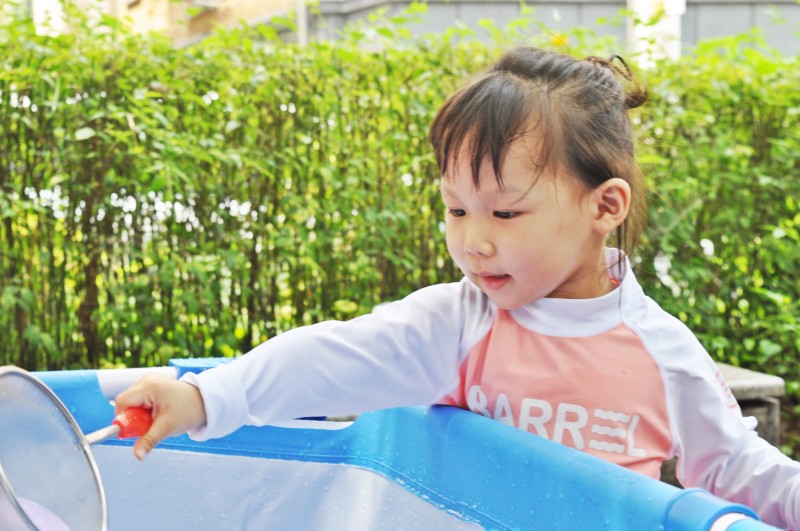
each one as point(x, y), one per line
point(411, 468)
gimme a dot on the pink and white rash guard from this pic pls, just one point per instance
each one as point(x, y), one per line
point(602, 393)
point(614, 376)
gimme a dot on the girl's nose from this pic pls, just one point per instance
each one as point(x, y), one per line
point(477, 242)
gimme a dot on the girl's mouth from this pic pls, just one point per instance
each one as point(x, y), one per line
point(494, 282)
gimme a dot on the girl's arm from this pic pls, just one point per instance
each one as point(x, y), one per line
point(719, 450)
point(405, 353)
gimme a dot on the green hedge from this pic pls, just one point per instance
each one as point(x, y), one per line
point(159, 202)
point(722, 148)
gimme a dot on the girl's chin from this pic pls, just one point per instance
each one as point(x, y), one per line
point(505, 303)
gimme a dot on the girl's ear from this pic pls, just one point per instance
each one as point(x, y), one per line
point(611, 202)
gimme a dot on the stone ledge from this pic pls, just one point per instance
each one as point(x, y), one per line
point(747, 385)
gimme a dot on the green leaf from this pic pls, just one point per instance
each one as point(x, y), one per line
point(769, 348)
point(84, 133)
point(345, 307)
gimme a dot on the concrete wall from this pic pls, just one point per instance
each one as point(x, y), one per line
point(187, 21)
point(703, 18)
point(715, 18)
point(555, 14)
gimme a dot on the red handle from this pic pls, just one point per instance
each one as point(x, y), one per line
point(133, 422)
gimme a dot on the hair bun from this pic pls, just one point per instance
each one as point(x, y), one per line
point(635, 92)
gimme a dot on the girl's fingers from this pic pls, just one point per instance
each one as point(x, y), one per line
point(163, 426)
point(176, 407)
point(144, 445)
point(141, 394)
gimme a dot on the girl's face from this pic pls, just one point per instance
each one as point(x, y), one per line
point(524, 241)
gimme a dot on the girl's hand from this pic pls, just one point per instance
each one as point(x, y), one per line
point(177, 407)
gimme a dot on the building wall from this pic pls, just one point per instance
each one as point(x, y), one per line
point(555, 14)
point(716, 18)
point(702, 18)
point(187, 21)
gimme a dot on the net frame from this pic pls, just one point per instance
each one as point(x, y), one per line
point(10, 376)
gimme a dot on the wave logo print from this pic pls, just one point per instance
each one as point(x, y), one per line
point(625, 435)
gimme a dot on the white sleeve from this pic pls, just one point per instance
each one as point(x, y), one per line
point(404, 353)
point(718, 450)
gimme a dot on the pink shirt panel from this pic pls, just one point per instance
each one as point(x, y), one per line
point(601, 394)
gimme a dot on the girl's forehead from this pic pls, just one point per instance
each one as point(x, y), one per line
point(520, 168)
point(465, 185)
point(513, 188)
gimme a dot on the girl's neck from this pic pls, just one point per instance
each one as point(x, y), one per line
point(591, 282)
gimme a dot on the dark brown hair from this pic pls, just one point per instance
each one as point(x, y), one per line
point(577, 108)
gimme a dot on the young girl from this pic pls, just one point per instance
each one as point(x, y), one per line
point(548, 330)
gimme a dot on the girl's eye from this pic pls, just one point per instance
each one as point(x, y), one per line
point(456, 212)
point(504, 215)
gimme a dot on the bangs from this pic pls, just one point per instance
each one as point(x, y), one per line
point(485, 118)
